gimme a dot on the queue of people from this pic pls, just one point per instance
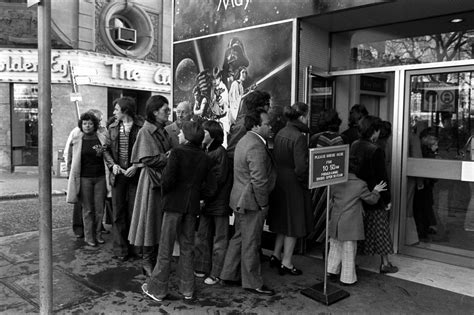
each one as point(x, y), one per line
point(169, 180)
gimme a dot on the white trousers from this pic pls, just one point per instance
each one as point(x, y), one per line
point(341, 259)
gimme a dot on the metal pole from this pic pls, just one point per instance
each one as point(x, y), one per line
point(45, 157)
point(328, 196)
point(72, 75)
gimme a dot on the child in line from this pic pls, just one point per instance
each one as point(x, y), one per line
point(346, 225)
point(186, 179)
point(212, 235)
point(423, 212)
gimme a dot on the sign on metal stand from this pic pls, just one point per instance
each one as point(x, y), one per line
point(327, 166)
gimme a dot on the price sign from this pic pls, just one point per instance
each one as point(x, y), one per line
point(328, 166)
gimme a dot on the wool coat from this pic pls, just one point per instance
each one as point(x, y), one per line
point(187, 178)
point(149, 152)
point(218, 204)
point(74, 182)
point(372, 169)
point(254, 174)
point(173, 131)
point(346, 221)
point(290, 210)
point(376, 220)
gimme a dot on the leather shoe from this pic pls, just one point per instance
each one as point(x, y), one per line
point(262, 291)
point(274, 262)
point(291, 271)
point(388, 268)
point(334, 277)
point(347, 284)
point(232, 282)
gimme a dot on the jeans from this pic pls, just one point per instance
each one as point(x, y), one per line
point(92, 196)
point(180, 225)
point(123, 197)
point(210, 251)
point(77, 224)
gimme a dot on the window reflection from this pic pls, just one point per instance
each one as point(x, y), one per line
point(441, 109)
point(440, 212)
point(25, 125)
point(415, 42)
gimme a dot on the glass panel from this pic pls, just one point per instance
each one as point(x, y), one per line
point(440, 212)
point(320, 99)
point(422, 41)
point(25, 125)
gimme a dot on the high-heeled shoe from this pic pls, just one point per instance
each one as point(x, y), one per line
point(274, 262)
point(291, 271)
point(388, 268)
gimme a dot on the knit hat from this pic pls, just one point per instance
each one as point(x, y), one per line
point(193, 132)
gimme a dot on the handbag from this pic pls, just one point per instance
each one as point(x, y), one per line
point(155, 178)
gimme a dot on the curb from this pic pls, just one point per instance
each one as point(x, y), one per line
point(30, 195)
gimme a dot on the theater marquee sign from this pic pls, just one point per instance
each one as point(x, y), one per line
point(89, 68)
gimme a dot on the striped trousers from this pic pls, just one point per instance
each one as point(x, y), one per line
point(341, 259)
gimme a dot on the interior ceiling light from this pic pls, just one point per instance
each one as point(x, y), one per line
point(456, 20)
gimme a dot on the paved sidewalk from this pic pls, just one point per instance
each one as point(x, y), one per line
point(26, 185)
point(89, 281)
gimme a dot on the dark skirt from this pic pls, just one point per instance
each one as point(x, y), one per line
point(377, 233)
point(290, 210)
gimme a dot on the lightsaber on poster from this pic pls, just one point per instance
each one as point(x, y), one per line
point(273, 72)
point(198, 56)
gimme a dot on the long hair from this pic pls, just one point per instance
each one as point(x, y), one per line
point(368, 125)
point(154, 103)
point(127, 106)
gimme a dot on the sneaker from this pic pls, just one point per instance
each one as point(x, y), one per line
point(211, 280)
point(199, 274)
point(91, 244)
point(389, 268)
point(153, 297)
point(188, 297)
point(100, 240)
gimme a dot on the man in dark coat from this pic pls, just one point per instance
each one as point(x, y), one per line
point(254, 179)
point(252, 101)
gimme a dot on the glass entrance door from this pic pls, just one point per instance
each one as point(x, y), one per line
point(438, 189)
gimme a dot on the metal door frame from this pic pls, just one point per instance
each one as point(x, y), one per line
point(400, 151)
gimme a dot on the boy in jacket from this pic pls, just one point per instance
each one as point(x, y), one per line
point(187, 178)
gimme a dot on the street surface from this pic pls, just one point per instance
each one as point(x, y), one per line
point(22, 215)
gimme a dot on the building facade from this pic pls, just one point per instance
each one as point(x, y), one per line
point(411, 63)
point(101, 50)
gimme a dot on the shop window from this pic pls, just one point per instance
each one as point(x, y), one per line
point(25, 125)
point(424, 41)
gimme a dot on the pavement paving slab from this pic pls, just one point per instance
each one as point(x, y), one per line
point(89, 281)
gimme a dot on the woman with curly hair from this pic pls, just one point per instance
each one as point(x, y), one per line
point(87, 176)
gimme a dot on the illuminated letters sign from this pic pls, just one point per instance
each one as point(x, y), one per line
point(18, 65)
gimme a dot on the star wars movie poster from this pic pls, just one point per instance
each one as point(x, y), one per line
point(215, 73)
point(194, 18)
